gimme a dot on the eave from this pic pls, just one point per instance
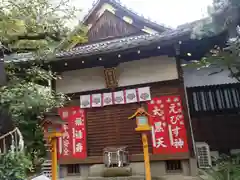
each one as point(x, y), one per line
point(118, 50)
point(123, 44)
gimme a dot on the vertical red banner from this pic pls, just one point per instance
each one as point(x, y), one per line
point(79, 135)
point(168, 129)
point(71, 132)
point(64, 142)
point(159, 126)
point(176, 126)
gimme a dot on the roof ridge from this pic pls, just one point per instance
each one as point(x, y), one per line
point(120, 39)
point(129, 10)
point(119, 42)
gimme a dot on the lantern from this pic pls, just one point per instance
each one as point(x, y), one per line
point(52, 126)
point(143, 125)
point(142, 120)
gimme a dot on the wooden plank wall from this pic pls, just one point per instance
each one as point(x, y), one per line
point(109, 26)
point(109, 126)
point(215, 115)
point(221, 132)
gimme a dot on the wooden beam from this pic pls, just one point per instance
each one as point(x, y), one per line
point(3, 79)
point(182, 92)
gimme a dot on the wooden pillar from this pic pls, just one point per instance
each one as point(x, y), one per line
point(146, 156)
point(54, 158)
point(182, 91)
point(2, 73)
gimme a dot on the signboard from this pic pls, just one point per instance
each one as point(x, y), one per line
point(72, 144)
point(168, 128)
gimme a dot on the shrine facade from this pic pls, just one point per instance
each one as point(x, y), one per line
point(129, 62)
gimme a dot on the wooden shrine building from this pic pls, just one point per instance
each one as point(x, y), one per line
point(128, 62)
point(126, 55)
point(131, 62)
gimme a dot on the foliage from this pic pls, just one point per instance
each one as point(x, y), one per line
point(14, 166)
point(35, 29)
point(225, 16)
point(37, 25)
point(223, 59)
point(227, 168)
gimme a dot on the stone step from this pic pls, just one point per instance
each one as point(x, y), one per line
point(167, 177)
point(178, 177)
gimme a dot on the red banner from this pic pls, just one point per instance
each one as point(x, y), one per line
point(79, 135)
point(168, 129)
point(72, 144)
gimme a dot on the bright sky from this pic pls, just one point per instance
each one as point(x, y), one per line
point(168, 12)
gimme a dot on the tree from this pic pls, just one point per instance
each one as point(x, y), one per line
point(31, 33)
point(225, 16)
point(226, 168)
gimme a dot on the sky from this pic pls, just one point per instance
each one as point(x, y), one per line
point(169, 12)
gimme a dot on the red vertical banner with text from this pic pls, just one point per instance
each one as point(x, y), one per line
point(168, 129)
point(158, 120)
point(176, 125)
point(67, 143)
point(63, 144)
point(79, 135)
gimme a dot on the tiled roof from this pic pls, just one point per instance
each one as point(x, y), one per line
point(121, 44)
point(118, 4)
point(114, 45)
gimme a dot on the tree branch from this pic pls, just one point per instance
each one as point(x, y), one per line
point(39, 36)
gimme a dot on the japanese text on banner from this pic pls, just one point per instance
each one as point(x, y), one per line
point(68, 145)
point(159, 126)
point(79, 135)
point(177, 130)
point(169, 133)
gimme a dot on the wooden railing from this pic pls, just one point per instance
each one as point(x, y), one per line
point(214, 99)
point(11, 141)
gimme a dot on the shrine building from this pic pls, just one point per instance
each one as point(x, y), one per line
point(128, 62)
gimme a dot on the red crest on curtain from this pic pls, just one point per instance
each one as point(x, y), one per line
point(168, 128)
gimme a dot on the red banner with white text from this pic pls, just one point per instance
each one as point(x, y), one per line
point(168, 129)
point(72, 144)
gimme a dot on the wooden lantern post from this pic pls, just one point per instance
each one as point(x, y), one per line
point(52, 125)
point(3, 79)
point(143, 126)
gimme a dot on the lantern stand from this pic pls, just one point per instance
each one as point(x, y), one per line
point(52, 126)
point(143, 126)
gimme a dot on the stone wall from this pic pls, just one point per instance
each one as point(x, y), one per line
point(158, 169)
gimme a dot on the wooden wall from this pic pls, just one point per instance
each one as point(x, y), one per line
point(215, 115)
point(221, 132)
point(109, 126)
point(109, 26)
